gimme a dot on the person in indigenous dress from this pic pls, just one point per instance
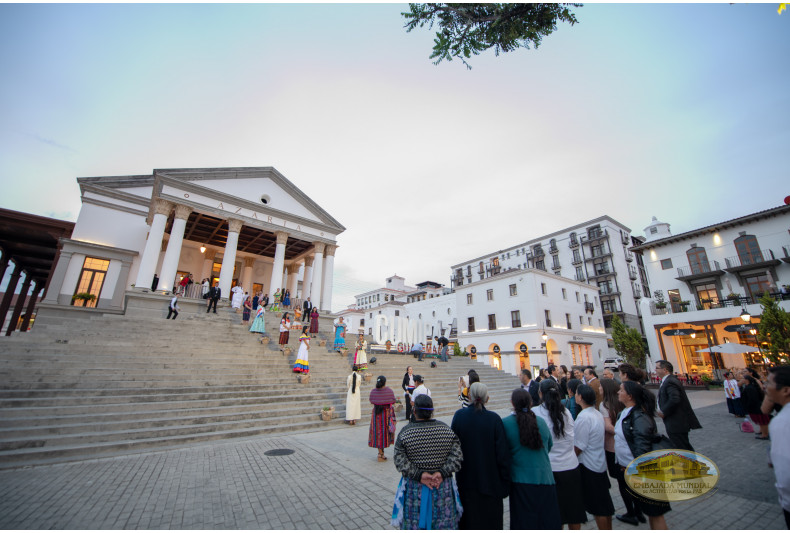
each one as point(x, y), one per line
point(285, 326)
point(297, 322)
point(246, 310)
point(258, 325)
point(361, 358)
point(382, 420)
point(287, 299)
point(340, 334)
point(314, 322)
point(277, 298)
point(353, 397)
point(302, 366)
point(427, 453)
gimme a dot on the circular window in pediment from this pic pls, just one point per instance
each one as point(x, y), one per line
point(265, 199)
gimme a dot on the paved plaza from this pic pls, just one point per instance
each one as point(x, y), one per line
point(331, 481)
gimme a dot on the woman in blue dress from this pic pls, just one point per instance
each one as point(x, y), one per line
point(287, 299)
point(340, 334)
point(258, 325)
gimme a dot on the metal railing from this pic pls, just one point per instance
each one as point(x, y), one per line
point(702, 268)
point(749, 259)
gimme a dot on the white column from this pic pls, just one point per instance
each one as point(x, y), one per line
point(308, 277)
point(329, 267)
point(279, 260)
point(315, 290)
point(229, 257)
point(293, 278)
point(246, 283)
point(208, 263)
point(153, 244)
point(173, 253)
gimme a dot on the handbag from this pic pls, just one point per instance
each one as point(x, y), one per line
point(392, 421)
point(747, 427)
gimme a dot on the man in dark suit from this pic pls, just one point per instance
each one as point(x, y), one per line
point(214, 295)
point(530, 385)
point(307, 307)
point(674, 407)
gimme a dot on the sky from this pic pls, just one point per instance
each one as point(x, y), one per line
point(678, 111)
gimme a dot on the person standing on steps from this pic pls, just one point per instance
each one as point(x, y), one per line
point(302, 365)
point(361, 357)
point(408, 386)
point(285, 331)
point(307, 308)
point(173, 307)
point(314, 322)
point(214, 295)
point(353, 396)
point(442, 342)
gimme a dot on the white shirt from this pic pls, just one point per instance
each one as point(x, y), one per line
point(731, 389)
point(562, 456)
point(589, 432)
point(174, 303)
point(422, 389)
point(780, 454)
point(622, 452)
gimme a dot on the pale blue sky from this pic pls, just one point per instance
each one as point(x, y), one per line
point(677, 111)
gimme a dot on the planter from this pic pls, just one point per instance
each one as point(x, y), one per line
point(303, 378)
point(398, 407)
point(343, 352)
point(327, 414)
point(322, 343)
point(287, 351)
point(367, 376)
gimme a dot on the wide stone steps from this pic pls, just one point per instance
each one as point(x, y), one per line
point(112, 385)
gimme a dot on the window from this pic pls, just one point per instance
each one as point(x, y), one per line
point(653, 230)
point(91, 280)
point(515, 319)
point(555, 262)
point(397, 313)
point(598, 250)
point(748, 250)
point(543, 288)
point(568, 320)
point(490, 294)
point(577, 258)
point(513, 290)
point(491, 322)
point(581, 320)
point(577, 297)
point(469, 298)
point(579, 274)
point(540, 264)
point(698, 260)
point(471, 324)
point(547, 316)
point(589, 321)
point(757, 285)
point(666, 264)
point(707, 294)
point(565, 294)
point(469, 270)
point(574, 242)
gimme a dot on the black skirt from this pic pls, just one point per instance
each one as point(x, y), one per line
point(569, 496)
point(534, 507)
point(595, 489)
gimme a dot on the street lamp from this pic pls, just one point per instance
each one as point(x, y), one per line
point(745, 316)
point(202, 248)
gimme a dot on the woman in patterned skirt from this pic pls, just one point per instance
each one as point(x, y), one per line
point(302, 366)
point(427, 453)
point(382, 421)
point(297, 321)
point(285, 326)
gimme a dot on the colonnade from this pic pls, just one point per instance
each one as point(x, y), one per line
point(318, 269)
point(5, 304)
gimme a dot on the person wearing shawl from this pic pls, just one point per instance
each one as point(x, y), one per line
point(297, 322)
point(353, 396)
point(258, 325)
point(340, 334)
point(302, 366)
point(382, 420)
point(285, 326)
point(314, 322)
point(427, 453)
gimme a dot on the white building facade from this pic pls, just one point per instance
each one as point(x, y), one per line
point(236, 226)
point(707, 278)
point(502, 319)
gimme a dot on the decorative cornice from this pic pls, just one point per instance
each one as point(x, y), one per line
point(116, 207)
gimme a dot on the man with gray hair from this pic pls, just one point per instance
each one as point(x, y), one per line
point(484, 478)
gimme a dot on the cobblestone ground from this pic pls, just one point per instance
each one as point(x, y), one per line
point(332, 481)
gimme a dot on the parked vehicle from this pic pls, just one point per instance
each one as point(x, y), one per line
point(613, 362)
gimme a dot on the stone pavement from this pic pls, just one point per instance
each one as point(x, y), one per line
point(331, 481)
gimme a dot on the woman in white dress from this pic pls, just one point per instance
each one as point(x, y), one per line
point(353, 397)
point(361, 359)
point(238, 297)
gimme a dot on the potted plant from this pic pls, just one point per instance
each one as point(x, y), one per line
point(83, 297)
point(660, 302)
point(684, 305)
point(398, 405)
point(367, 376)
point(327, 413)
point(735, 297)
point(303, 378)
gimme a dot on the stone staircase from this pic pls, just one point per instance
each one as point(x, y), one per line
point(75, 389)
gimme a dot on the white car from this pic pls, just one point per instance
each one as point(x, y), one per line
point(613, 362)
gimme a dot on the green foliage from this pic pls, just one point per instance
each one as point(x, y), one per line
point(774, 328)
point(83, 296)
point(466, 29)
point(457, 352)
point(628, 343)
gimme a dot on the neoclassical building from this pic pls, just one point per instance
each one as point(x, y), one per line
point(247, 226)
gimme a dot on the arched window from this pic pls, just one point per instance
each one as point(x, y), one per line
point(748, 250)
point(698, 260)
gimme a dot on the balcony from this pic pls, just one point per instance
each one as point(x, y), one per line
point(632, 273)
point(786, 250)
point(576, 261)
point(573, 244)
point(598, 255)
point(702, 270)
point(596, 235)
point(629, 256)
point(589, 307)
point(626, 239)
point(580, 278)
point(554, 250)
point(761, 259)
point(609, 291)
